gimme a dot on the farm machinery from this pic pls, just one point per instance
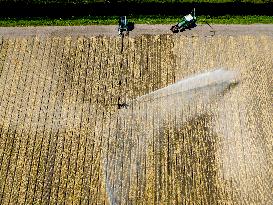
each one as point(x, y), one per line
point(187, 22)
point(124, 25)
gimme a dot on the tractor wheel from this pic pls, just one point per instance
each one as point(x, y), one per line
point(174, 29)
point(182, 29)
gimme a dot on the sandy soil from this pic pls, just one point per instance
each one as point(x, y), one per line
point(95, 30)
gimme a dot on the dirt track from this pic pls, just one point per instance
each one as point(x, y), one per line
point(58, 108)
point(201, 30)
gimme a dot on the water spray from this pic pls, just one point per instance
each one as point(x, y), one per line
point(184, 100)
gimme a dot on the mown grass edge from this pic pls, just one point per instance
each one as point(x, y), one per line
point(112, 20)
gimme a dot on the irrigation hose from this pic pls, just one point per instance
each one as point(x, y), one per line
point(211, 31)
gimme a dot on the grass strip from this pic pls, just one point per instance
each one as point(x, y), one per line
point(112, 20)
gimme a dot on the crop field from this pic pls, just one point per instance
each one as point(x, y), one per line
point(63, 139)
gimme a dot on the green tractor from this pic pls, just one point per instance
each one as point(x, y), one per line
point(187, 22)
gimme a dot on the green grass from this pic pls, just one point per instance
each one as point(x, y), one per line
point(105, 20)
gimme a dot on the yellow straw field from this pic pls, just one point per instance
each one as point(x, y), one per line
point(61, 129)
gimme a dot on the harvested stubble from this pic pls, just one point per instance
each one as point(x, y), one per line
point(178, 103)
point(58, 114)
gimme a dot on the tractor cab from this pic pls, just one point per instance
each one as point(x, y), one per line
point(189, 18)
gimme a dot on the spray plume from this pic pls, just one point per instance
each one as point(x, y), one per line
point(134, 127)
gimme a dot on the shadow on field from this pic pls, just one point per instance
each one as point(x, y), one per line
point(131, 26)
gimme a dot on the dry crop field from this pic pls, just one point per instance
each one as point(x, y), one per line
point(59, 122)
